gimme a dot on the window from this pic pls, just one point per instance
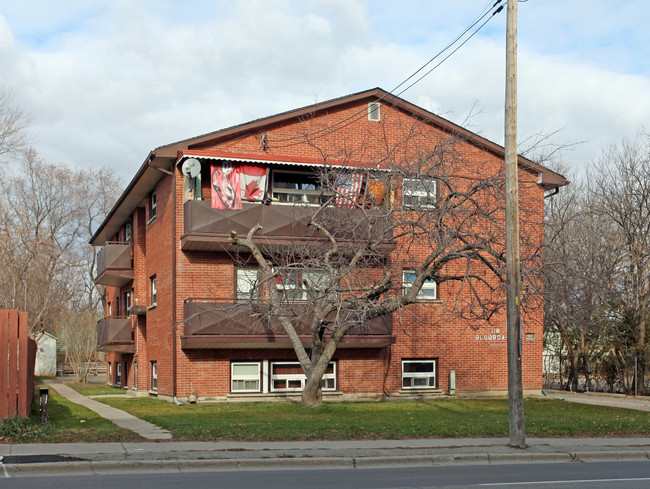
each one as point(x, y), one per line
point(245, 377)
point(127, 302)
point(118, 373)
point(419, 374)
point(419, 192)
point(288, 377)
point(428, 290)
point(374, 113)
point(154, 376)
point(296, 187)
point(247, 283)
point(127, 232)
point(152, 206)
point(154, 291)
point(135, 375)
point(297, 284)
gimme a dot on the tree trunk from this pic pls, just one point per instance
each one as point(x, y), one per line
point(312, 395)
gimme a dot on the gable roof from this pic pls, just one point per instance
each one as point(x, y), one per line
point(162, 159)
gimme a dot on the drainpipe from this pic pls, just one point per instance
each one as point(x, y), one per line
point(174, 366)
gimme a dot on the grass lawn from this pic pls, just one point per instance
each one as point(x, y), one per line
point(68, 422)
point(443, 418)
point(96, 389)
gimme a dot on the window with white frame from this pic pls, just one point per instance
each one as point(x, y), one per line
point(127, 232)
point(247, 283)
point(419, 192)
point(374, 113)
point(154, 290)
point(429, 287)
point(152, 205)
point(296, 187)
point(419, 374)
point(289, 377)
point(135, 375)
point(245, 376)
point(127, 302)
point(118, 373)
point(297, 284)
point(154, 376)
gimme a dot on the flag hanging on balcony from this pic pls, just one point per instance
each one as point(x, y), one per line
point(253, 182)
point(224, 178)
point(348, 187)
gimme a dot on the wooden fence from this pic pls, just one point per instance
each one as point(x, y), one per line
point(17, 357)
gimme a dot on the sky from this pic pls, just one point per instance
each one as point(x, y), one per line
point(107, 81)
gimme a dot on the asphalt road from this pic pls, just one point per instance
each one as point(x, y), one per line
point(605, 475)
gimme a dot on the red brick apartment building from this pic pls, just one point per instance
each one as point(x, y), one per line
point(171, 274)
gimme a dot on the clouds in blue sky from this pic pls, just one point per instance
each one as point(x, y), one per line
point(106, 81)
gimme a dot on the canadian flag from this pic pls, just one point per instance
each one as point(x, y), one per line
point(253, 182)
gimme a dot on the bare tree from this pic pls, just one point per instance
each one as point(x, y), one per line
point(423, 207)
point(49, 213)
point(621, 187)
point(597, 261)
point(576, 260)
point(77, 331)
point(40, 226)
point(13, 126)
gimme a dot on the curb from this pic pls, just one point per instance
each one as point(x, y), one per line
point(113, 466)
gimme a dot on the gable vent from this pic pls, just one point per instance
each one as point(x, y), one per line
point(374, 111)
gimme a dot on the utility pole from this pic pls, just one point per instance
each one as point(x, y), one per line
point(513, 268)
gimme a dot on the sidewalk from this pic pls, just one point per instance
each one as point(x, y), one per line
point(95, 458)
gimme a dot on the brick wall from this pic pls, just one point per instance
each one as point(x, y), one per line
point(475, 350)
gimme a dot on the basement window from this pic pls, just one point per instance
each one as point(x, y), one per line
point(289, 377)
point(154, 376)
point(419, 374)
point(245, 377)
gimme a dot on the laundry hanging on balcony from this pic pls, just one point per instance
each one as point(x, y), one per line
point(232, 184)
point(348, 187)
point(224, 178)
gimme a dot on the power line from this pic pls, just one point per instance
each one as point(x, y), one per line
point(488, 12)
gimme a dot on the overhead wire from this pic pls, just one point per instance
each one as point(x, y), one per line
point(490, 10)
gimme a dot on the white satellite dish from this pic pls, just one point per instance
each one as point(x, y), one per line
point(191, 168)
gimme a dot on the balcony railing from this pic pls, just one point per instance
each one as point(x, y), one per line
point(282, 225)
point(215, 323)
point(115, 334)
point(114, 264)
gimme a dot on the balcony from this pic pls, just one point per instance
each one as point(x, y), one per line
point(114, 264)
point(114, 334)
point(207, 229)
point(213, 324)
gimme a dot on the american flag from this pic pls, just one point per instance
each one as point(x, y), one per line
point(348, 187)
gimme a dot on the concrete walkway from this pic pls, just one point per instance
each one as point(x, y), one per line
point(638, 403)
point(120, 418)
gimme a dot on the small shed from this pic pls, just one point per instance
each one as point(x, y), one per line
point(45, 354)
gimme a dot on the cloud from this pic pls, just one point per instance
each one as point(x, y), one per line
point(108, 81)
